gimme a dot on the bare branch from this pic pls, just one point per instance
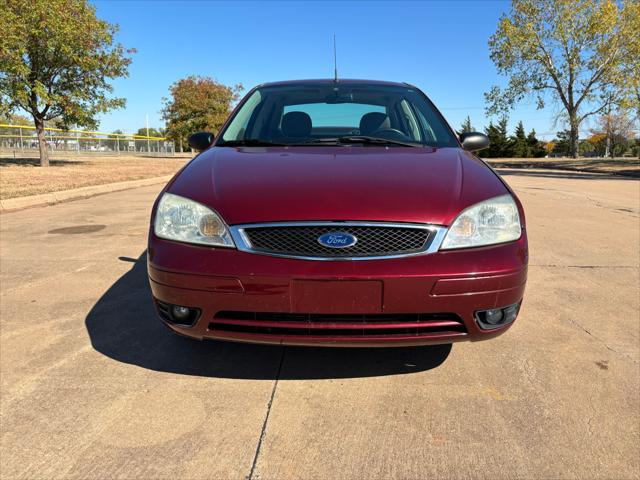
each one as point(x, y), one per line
point(548, 63)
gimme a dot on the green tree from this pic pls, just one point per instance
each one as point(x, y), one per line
point(153, 132)
point(500, 146)
point(519, 145)
point(575, 52)
point(490, 133)
point(197, 104)
point(562, 144)
point(466, 126)
point(115, 140)
point(56, 58)
point(536, 147)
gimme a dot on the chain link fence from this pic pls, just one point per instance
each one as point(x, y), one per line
point(22, 138)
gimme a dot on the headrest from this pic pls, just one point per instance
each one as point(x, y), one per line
point(372, 121)
point(296, 124)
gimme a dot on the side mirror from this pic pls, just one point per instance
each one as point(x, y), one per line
point(201, 141)
point(474, 141)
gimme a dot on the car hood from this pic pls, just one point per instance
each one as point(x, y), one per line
point(397, 184)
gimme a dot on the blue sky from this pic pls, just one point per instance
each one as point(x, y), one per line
point(439, 46)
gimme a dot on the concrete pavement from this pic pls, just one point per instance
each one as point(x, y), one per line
point(92, 386)
point(76, 193)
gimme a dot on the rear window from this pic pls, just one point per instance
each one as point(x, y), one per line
point(335, 114)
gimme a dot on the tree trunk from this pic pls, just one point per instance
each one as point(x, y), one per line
point(573, 134)
point(42, 143)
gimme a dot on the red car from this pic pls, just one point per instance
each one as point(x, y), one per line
point(337, 213)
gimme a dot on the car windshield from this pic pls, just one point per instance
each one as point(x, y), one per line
point(341, 113)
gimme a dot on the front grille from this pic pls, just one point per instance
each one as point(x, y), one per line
point(338, 325)
point(372, 240)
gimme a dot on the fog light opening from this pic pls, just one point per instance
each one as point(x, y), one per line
point(497, 317)
point(185, 316)
point(178, 314)
point(493, 317)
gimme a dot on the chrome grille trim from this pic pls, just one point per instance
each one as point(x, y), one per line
point(243, 243)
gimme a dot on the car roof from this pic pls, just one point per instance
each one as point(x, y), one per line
point(331, 80)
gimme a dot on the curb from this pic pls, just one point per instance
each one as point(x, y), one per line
point(562, 168)
point(77, 193)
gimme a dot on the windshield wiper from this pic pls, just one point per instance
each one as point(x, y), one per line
point(251, 142)
point(350, 139)
point(376, 140)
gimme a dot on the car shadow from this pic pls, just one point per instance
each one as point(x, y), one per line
point(123, 326)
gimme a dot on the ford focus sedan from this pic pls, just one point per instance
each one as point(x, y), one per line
point(337, 213)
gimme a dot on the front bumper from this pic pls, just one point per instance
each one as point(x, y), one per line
point(418, 300)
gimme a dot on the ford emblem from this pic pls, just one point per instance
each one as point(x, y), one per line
point(337, 240)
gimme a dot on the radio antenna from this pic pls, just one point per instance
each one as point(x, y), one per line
point(335, 60)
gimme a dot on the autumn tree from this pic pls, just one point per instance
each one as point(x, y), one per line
point(15, 119)
point(578, 53)
point(617, 129)
point(549, 147)
point(632, 71)
point(197, 104)
point(14, 135)
point(598, 142)
point(56, 58)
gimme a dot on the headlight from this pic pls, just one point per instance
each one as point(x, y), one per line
point(184, 220)
point(493, 221)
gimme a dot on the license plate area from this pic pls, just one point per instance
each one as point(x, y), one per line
point(336, 296)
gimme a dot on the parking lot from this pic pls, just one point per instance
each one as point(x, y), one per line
point(94, 386)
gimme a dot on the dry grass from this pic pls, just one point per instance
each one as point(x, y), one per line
point(617, 166)
point(22, 176)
